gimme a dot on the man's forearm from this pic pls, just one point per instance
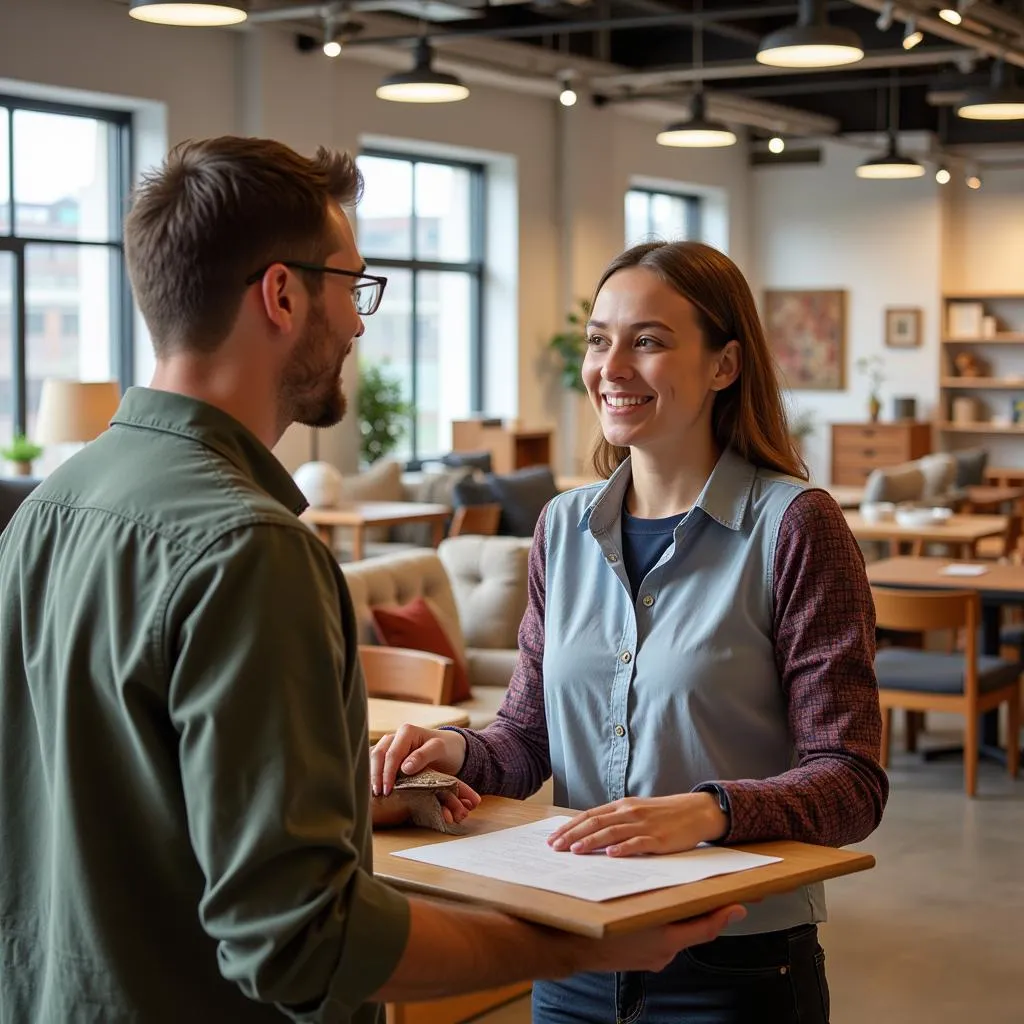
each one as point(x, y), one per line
point(454, 949)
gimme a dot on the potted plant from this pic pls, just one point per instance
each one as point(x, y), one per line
point(801, 426)
point(873, 367)
point(383, 412)
point(570, 346)
point(22, 452)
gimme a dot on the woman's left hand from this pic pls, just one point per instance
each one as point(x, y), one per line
point(633, 825)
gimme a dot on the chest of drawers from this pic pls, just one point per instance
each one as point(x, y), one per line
point(858, 448)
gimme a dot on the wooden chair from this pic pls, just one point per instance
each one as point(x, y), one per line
point(481, 520)
point(400, 673)
point(967, 684)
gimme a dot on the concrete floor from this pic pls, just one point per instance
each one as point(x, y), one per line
point(935, 933)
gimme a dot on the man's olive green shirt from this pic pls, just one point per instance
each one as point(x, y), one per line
point(184, 762)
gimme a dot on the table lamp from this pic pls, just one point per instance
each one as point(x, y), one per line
point(75, 410)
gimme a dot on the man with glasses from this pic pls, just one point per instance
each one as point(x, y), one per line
point(184, 757)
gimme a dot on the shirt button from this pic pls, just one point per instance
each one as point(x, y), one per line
point(648, 600)
point(620, 731)
point(613, 558)
point(626, 657)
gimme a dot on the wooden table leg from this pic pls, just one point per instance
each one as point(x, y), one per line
point(325, 533)
point(357, 543)
point(437, 534)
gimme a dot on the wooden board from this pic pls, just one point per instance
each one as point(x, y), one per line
point(801, 864)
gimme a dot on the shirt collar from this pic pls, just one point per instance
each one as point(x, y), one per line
point(725, 496)
point(171, 413)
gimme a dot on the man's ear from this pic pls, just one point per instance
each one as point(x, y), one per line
point(279, 292)
point(728, 363)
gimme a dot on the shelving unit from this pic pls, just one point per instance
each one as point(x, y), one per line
point(999, 363)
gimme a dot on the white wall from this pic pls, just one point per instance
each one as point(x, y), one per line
point(820, 226)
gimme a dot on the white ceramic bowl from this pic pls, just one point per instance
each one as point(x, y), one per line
point(922, 516)
point(877, 511)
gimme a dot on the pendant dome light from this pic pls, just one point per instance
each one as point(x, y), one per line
point(811, 43)
point(1001, 101)
point(698, 132)
point(422, 84)
point(188, 13)
point(892, 164)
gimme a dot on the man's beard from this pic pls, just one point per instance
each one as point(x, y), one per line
point(311, 384)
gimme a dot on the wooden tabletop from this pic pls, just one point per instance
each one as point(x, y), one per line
point(985, 497)
point(846, 497)
point(387, 715)
point(801, 864)
point(958, 529)
point(925, 573)
point(375, 513)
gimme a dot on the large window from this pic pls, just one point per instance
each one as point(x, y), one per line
point(64, 306)
point(661, 216)
point(421, 224)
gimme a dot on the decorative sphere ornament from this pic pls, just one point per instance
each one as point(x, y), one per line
point(320, 483)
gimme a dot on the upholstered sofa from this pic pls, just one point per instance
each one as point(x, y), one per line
point(476, 588)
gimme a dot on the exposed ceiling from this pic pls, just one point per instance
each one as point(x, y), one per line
point(642, 51)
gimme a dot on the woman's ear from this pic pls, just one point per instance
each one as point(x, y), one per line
point(728, 363)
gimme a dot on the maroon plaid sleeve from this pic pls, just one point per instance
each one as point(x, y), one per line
point(510, 757)
point(824, 625)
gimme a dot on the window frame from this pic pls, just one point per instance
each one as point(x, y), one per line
point(692, 205)
point(474, 268)
point(119, 163)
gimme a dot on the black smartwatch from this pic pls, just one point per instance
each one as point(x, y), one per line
point(719, 792)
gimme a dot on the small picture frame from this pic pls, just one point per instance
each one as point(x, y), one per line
point(903, 328)
point(964, 320)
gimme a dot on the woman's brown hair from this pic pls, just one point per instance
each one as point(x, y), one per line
point(749, 415)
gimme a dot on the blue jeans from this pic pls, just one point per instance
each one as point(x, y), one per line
point(773, 978)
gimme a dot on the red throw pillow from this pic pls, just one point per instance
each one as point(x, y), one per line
point(415, 625)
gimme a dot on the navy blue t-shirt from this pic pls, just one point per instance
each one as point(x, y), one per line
point(644, 541)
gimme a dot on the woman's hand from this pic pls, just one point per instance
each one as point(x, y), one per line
point(412, 749)
point(661, 824)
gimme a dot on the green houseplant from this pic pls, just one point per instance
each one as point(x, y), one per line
point(22, 452)
point(873, 367)
point(383, 412)
point(570, 346)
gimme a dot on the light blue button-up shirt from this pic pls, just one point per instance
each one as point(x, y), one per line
point(654, 695)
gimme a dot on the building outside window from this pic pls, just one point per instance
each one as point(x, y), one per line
point(421, 224)
point(661, 216)
point(64, 300)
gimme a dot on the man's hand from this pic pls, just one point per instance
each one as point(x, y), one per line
point(391, 811)
point(663, 824)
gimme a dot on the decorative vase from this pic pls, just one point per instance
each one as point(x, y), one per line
point(874, 408)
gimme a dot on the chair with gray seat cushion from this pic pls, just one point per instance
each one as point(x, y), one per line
point(920, 680)
point(13, 491)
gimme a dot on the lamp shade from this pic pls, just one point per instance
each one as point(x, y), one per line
point(74, 410)
point(422, 84)
point(189, 13)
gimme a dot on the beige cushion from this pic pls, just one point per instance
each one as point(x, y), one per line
point(489, 669)
point(895, 483)
point(398, 579)
point(489, 578)
point(381, 482)
point(433, 488)
point(939, 472)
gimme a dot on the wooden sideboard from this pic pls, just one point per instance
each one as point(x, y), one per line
point(858, 448)
point(510, 448)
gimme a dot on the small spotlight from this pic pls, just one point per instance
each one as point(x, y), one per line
point(567, 97)
point(776, 144)
point(973, 181)
point(951, 14)
point(942, 176)
point(332, 48)
point(911, 35)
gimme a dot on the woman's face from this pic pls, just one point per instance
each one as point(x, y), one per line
point(647, 370)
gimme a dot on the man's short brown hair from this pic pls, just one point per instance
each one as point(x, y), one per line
point(217, 211)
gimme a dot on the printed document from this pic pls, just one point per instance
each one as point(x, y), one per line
point(522, 855)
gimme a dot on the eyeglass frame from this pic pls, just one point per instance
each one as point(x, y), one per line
point(319, 268)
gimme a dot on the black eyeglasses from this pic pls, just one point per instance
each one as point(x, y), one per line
point(367, 293)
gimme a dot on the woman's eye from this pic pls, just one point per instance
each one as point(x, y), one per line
point(646, 342)
point(593, 340)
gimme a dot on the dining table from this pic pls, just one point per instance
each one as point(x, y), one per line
point(958, 531)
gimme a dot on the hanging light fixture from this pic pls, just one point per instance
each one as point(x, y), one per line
point(1003, 100)
point(188, 13)
point(567, 96)
point(912, 35)
point(422, 84)
point(892, 164)
point(698, 132)
point(811, 43)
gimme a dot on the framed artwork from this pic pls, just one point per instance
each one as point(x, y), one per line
point(807, 332)
point(903, 328)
